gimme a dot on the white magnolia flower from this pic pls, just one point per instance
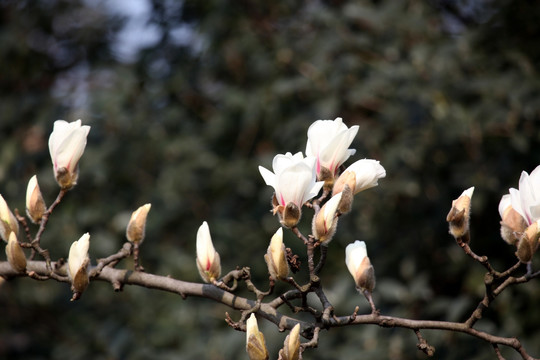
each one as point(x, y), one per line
point(329, 141)
point(293, 179)
point(66, 145)
point(208, 261)
point(526, 200)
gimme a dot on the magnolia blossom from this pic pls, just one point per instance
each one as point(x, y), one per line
point(255, 344)
point(66, 145)
point(360, 176)
point(325, 222)
point(78, 261)
point(458, 216)
point(208, 261)
point(291, 345)
point(8, 222)
point(35, 205)
point(15, 254)
point(137, 224)
point(276, 257)
point(293, 178)
point(329, 141)
point(512, 223)
point(360, 266)
point(526, 200)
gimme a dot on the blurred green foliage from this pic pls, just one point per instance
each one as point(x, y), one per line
point(447, 96)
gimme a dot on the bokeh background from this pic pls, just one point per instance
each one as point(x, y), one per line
point(187, 98)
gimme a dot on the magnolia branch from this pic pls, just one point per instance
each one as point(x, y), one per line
point(268, 310)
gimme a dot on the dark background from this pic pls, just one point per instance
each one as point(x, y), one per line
point(186, 99)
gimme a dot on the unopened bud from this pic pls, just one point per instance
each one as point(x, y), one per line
point(136, 227)
point(8, 222)
point(291, 346)
point(458, 217)
point(360, 266)
point(15, 254)
point(528, 243)
point(208, 261)
point(275, 257)
point(35, 205)
point(361, 175)
point(78, 262)
point(512, 223)
point(325, 222)
point(347, 198)
point(255, 344)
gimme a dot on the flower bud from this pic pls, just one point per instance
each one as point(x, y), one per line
point(512, 223)
point(137, 224)
point(275, 257)
point(78, 262)
point(325, 222)
point(66, 145)
point(8, 222)
point(528, 243)
point(208, 262)
point(15, 253)
point(458, 217)
point(35, 205)
point(291, 346)
point(360, 266)
point(255, 344)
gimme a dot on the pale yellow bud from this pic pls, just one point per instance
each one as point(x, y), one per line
point(8, 222)
point(291, 346)
point(15, 254)
point(136, 227)
point(35, 205)
point(325, 222)
point(528, 243)
point(208, 261)
point(78, 262)
point(458, 217)
point(276, 258)
point(255, 344)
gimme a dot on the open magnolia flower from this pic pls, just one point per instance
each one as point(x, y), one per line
point(66, 145)
point(294, 182)
point(526, 200)
point(329, 141)
point(208, 261)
